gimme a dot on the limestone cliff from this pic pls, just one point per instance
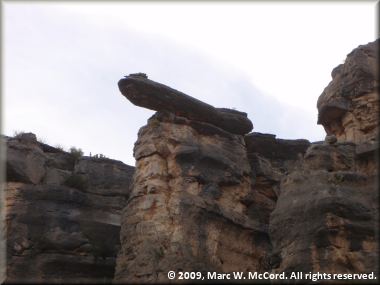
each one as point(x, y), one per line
point(56, 232)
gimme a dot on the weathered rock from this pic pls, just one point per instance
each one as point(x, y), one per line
point(155, 96)
point(54, 231)
point(327, 211)
point(331, 139)
point(189, 197)
point(106, 177)
point(324, 217)
point(25, 160)
point(349, 105)
point(271, 160)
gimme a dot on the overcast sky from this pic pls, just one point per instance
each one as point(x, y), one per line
point(62, 61)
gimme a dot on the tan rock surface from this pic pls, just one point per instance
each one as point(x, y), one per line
point(189, 196)
point(349, 106)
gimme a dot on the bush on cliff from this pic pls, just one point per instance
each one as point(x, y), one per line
point(76, 181)
point(74, 154)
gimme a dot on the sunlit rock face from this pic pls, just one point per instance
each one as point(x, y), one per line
point(349, 106)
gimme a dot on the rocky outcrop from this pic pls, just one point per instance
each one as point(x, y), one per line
point(205, 196)
point(56, 232)
point(349, 106)
point(326, 216)
point(146, 93)
point(270, 160)
point(187, 209)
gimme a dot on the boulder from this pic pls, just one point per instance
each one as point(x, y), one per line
point(146, 93)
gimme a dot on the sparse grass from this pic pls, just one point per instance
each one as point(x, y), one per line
point(76, 181)
point(18, 134)
point(124, 264)
point(246, 159)
point(41, 140)
point(60, 147)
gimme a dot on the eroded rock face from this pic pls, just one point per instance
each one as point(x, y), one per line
point(53, 231)
point(326, 214)
point(271, 160)
point(349, 105)
point(189, 197)
point(149, 94)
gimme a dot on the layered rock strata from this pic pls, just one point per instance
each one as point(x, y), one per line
point(349, 106)
point(327, 213)
point(58, 233)
point(188, 205)
point(326, 216)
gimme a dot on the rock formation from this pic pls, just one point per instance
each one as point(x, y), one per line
point(155, 96)
point(349, 105)
point(206, 195)
point(203, 197)
point(190, 191)
point(326, 217)
point(56, 232)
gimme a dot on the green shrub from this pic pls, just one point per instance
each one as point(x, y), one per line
point(74, 155)
point(124, 264)
point(76, 152)
point(160, 251)
point(337, 181)
point(76, 181)
point(99, 156)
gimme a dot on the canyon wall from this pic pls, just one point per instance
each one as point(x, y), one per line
point(206, 195)
point(57, 232)
point(349, 106)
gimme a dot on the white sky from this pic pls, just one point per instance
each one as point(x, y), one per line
point(62, 62)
